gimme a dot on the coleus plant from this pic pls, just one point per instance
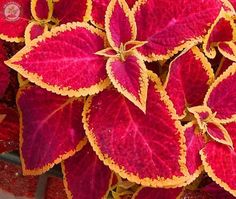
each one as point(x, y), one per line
point(154, 134)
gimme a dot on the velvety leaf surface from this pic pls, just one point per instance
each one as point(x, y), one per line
point(219, 133)
point(228, 49)
point(71, 10)
point(118, 18)
point(4, 73)
point(221, 31)
point(85, 176)
point(195, 142)
point(219, 161)
point(63, 62)
point(189, 77)
point(9, 129)
point(221, 97)
point(130, 78)
point(98, 11)
point(51, 128)
point(33, 30)
point(224, 65)
point(42, 9)
point(118, 125)
point(163, 32)
point(14, 17)
point(151, 193)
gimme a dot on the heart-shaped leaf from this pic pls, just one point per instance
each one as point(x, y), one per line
point(85, 176)
point(154, 152)
point(50, 128)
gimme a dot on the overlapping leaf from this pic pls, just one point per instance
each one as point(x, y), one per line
point(222, 30)
point(14, 17)
point(159, 22)
point(188, 80)
point(98, 10)
point(51, 128)
point(228, 49)
point(130, 78)
point(224, 65)
point(221, 96)
point(72, 10)
point(153, 140)
point(118, 18)
point(42, 10)
point(151, 193)
point(33, 30)
point(194, 142)
point(219, 161)
point(64, 60)
point(85, 176)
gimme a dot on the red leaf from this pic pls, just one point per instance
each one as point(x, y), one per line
point(4, 73)
point(158, 23)
point(51, 128)
point(42, 9)
point(189, 77)
point(216, 192)
point(219, 133)
point(228, 50)
point(222, 30)
point(129, 141)
point(33, 30)
point(14, 17)
point(219, 161)
point(224, 65)
point(13, 183)
point(71, 10)
point(195, 142)
point(55, 189)
point(130, 78)
point(63, 62)
point(152, 193)
point(85, 176)
point(119, 18)
point(98, 11)
point(221, 96)
point(9, 129)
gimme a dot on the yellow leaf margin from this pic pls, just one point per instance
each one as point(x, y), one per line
point(39, 171)
point(143, 82)
point(34, 78)
point(229, 72)
point(175, 181)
